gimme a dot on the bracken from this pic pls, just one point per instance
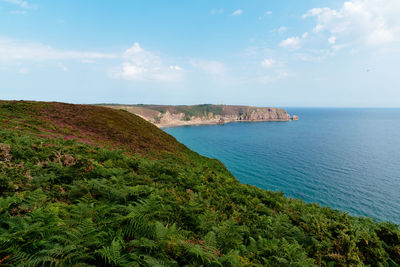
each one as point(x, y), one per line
point(122, 192)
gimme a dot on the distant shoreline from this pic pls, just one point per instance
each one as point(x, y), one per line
point(164, 116)
point(199, 123)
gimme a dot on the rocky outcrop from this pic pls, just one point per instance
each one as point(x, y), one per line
point(165, 116)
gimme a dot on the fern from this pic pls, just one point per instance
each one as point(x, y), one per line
point(112, 254)
point(154, 203)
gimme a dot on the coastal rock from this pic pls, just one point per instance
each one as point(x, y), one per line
point(165, 116)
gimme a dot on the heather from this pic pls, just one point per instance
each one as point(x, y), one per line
point(91, 186)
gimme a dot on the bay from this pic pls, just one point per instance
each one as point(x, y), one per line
point(347, 159)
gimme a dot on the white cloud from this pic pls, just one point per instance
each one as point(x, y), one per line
point(261, 65)
point(176, 67)
point(63, 67)
point(216, 11)
point(316, 55)
point(267, 13)
point(282, 29)
point(142, 65)
point(209, 66)
point(332, 40)
point(276, 75)
point(318, 28)
point(88, 61)
point(295, 42)
point(371, 22)
point(11, 50)
point(237, 12)
point(22, 4)
point(268, 63)
point(136, 62)
point(355, 25)
point(292, 43)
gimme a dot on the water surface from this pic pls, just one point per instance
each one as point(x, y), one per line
point(348, 159)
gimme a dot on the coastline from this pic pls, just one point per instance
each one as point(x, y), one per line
point(164, 116)
point(208, 122)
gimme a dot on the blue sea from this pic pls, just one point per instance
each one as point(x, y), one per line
point(348, 159)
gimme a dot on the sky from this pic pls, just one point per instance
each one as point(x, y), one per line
point(309, 53)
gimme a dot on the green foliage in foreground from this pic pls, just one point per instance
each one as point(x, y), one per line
point(67, 199)
point(65, 203)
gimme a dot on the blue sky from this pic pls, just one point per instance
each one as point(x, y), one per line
point(267, 53)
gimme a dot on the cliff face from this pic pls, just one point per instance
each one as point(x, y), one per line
point(204, 114)
point(244, 113)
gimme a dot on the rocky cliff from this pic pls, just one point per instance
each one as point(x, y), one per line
point(164, 116)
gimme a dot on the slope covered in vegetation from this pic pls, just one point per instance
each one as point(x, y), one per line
point(91, 186)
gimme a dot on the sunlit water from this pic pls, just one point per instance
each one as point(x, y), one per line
point(348, 159)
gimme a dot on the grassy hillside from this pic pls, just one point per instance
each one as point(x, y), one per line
point(91, 186)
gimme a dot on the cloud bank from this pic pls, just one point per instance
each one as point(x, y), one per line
point(142, 65)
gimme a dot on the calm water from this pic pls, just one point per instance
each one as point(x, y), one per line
point(348, 159)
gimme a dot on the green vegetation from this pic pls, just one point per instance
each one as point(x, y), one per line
point(187, 117)
point(157, 119)
point(91, 186)
point(188, 111)
point(200, 110)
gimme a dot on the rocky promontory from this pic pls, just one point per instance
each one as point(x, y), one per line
point(167, 116)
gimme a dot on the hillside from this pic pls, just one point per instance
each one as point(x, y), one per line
point(93, 186)
point(164, 116)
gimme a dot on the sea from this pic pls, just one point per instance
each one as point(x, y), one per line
point(344, 158)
